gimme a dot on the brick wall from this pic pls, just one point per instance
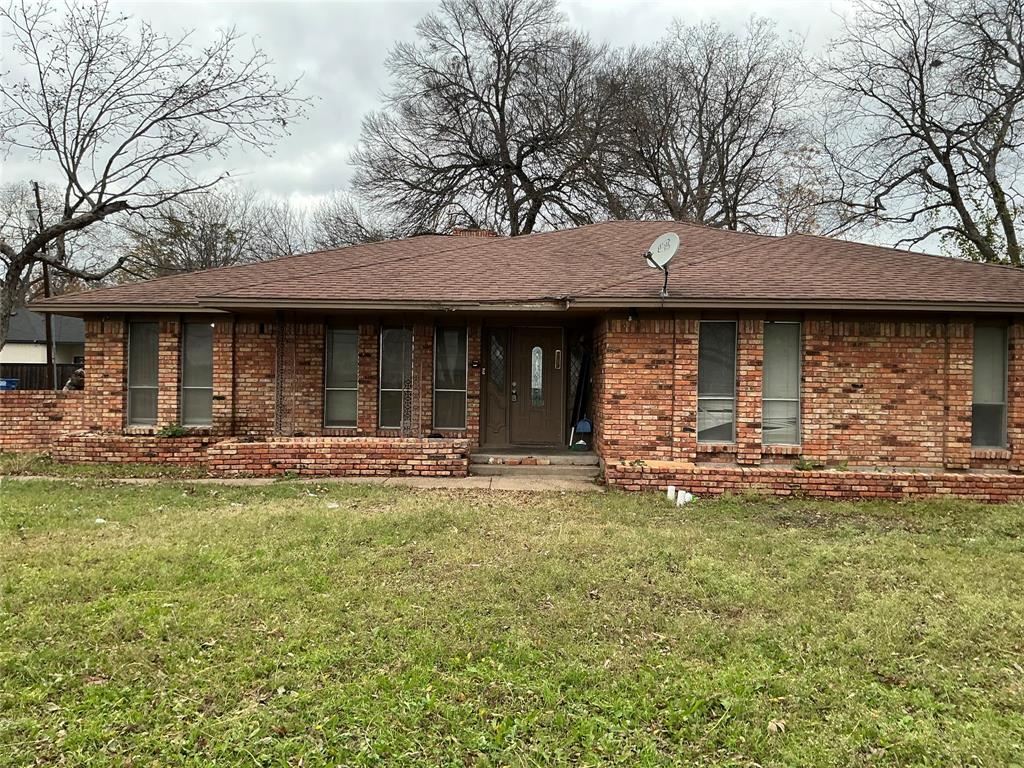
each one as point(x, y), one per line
point(89, 447)
point(254, 396)
point(714, 479)
point(105, 374)
point(223, 375)
point(30, 420)
point(875, 393)
point(360, 456)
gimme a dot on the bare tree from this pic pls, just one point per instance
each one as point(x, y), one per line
point(491, 117)
point(709, 128)
point(339, 220)
point(203, 230)
point(123, 112)
point(282, 229)
point(927, 124)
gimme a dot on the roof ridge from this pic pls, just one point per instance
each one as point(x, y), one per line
point(639, 273)
point(901, 252)
point(248, 264)
point(470, 243)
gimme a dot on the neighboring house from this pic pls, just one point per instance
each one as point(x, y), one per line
point(26, 339)
point(896, 372)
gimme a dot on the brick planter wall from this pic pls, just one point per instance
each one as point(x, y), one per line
point(87, 447)
point(712, 480)
point(341, 456)
point(31, 420)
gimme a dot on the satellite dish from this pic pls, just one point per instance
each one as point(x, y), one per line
point(662, 250)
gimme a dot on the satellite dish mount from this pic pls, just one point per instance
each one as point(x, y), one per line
point(660, 254)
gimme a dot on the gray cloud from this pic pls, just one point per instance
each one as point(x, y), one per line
point(338, 50)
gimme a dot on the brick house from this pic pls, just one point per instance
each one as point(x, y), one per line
point(794, 364)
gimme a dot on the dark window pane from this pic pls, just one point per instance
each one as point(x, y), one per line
point(781, 422)
point(197, 355)
point(989, 426)
point(197, 407)
point(989, 364)
point(342, 358)
point(989, 413)
point(391, 409)
point(142, 406)
point(341, 408)
point(716, 364)
point(496, 368)
point(142, 355)
point(450, 410)
point(537, 377)
point(396, 357)
point(450, 359)
point(781, 361)
point(716, 421)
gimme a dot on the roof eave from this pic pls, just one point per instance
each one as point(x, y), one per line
point(804, 304)
point(215, 305)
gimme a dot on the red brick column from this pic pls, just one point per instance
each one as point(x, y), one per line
point(635, 397)
point(686, 333)
point(255, 376)
point(750, 377)
point(958, 394)
point(423, 377)
point(817, 388)
point(369, 374)
point(169, 376)
point(474, 353)
point(105, 374)
point(223, 375)
point(302, 390)
point(1015, 396)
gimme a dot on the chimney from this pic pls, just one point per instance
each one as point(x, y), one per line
point(472, 232)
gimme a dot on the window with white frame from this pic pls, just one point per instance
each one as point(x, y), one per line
point(395, 376)
point(450, 378)
point(341, 381)
point(716, 382)
point(989, 402)
point(143, 353)
point(781, 387)
point(197, 374)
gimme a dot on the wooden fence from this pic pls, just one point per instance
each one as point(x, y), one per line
point(33, 375)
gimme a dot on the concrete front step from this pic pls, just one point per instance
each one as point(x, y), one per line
point(517, 458)
point(535, 470)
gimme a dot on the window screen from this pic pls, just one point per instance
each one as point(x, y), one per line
point(197, 375)
point(342, 376)
point(395, 375)
point(142, 372)
point(450, 378)
point(781, 393)
point(989, 411)
point(716, 382)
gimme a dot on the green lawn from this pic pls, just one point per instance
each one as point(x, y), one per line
point(359, 625)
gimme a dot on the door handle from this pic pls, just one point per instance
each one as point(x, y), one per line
point(515, 393)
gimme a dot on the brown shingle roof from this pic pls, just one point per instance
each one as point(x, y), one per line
point(596, 265)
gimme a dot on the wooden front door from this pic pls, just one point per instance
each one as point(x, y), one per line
point(524, 387)
point(536, 407)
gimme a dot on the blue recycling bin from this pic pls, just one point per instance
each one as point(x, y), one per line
point(6, 385)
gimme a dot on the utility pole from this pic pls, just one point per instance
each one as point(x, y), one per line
point(51, 371)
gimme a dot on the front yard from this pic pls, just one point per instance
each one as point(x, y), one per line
point(302, 624)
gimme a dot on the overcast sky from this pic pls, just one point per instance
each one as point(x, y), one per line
point(338, 49)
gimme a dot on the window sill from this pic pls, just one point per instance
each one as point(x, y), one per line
point(716, 448)
point(991, 453)
point(778, 449)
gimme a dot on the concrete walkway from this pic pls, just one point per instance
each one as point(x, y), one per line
point(491, 483)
